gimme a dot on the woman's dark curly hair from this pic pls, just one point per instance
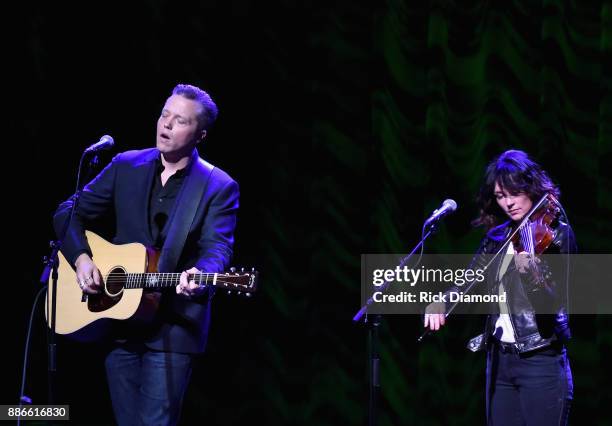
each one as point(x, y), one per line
point(516, 173)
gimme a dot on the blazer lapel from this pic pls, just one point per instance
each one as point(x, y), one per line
point(184, 211)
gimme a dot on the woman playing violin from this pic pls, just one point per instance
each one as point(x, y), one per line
point(529, 381)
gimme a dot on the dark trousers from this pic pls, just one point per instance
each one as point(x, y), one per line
point(146, 386)
point(528, 389)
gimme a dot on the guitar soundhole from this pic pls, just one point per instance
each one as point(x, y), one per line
point(115, 282)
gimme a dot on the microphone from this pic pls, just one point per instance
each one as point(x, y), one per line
point(105, 142)
point(448, 206)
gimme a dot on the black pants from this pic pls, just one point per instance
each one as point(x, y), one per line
point(528, 389)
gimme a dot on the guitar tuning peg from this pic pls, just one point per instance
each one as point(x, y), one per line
point(229, 292)
point(232, 269)
point(252, 269)
point(239, 293)
point(247, 294)
point(242, 270)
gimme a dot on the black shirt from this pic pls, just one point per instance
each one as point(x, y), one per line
point(162, 201)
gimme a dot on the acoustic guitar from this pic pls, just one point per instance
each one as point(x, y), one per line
point(129, 280)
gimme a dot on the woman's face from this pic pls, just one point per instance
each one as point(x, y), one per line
point(516, 206)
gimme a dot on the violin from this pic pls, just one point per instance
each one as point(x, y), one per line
point(535, 233)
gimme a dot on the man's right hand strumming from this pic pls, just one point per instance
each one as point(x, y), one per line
point(88, 274)
point(434, 316)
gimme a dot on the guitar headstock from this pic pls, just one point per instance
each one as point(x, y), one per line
point(241, 282)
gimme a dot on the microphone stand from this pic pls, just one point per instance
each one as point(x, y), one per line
point(373, 323)
point(50, 270)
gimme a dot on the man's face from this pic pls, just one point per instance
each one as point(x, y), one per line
point(177, 127)
point(516, 206)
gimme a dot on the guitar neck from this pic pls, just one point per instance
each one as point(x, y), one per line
point(153, 280)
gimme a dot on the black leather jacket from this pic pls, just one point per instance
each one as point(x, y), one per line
point(526, 295)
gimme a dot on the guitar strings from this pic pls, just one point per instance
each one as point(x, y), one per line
point(173, 274)
point(122, 278)
point(228, 283)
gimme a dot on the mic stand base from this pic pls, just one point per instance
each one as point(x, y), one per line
point(373, 322)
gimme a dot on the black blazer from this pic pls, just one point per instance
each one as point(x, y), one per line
point(123, 190)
